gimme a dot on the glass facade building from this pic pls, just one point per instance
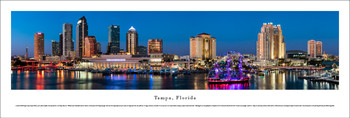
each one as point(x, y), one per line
point(55, 48)
point(81, 33)
point(67, 39)
point(113, 39)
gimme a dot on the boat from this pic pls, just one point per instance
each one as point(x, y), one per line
point(230, 70)
point(174, 71)
point(107, 71)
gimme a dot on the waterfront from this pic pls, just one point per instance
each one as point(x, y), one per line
point(81, 80)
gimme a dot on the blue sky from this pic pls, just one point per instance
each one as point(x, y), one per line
point(234, 30)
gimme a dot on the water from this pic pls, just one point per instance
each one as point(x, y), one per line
point(81, 80)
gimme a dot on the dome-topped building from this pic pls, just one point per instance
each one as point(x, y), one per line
point(132, 29)
point(131, 41)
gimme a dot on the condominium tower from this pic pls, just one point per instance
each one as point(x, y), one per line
point(203, 47)
point(319, 48)
point(38, 46)
point(314, 48)
point(270, 44)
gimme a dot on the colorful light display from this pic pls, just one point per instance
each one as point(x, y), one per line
point(230, 69)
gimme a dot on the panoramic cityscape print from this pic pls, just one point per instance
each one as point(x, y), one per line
point(175, 50)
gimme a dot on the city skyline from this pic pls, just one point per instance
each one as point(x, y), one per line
point(311, 23)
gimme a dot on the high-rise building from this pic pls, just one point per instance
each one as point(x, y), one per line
point(314, 49)
point(55, 48)
point(67, 39)
point(72, 46)
point(26, 53)
point(113, 39)
point(203, 47)
point(81, 33)
point(155, 46)
point(311, 48)
point(142, 50)
point(38, 46)
point(131, 41)
point(90, 46)
point(98, 47)
point(270, 44)
point(319, 49)
point(61, 44)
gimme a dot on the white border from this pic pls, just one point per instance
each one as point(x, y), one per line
point(9, 98)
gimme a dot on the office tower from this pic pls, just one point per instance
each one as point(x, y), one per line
point(155, 46)
point(113, 39)
point(311, 48)
point(131, 41)
point(90, 46)
point(55, 48)
point(72, 46)
point(61, 44)
point(142, 50)
point(270, 44)
point(98, 47)
point(38, 46)
point(318, 48)
point(81, 33)
point(26, 53)
point(203, 47)
point(67, 39)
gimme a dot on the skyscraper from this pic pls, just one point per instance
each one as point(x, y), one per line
point(155, 46)
point(90, 46)
point(55, 51)
point(26, 53)
point(113, 39)
point(61, 44)
point(311, 48)
point(203, 46)
point(142, 50)
point(131, 41)
point(67, 39)
point(98, 47)
point(38, 46)
point(270, 44)
point(81, 33)
point(314, 48)
point(318, 48)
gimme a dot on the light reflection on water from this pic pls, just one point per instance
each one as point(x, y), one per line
point(61, 79)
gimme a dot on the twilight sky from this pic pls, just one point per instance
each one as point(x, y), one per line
point(234, 30)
